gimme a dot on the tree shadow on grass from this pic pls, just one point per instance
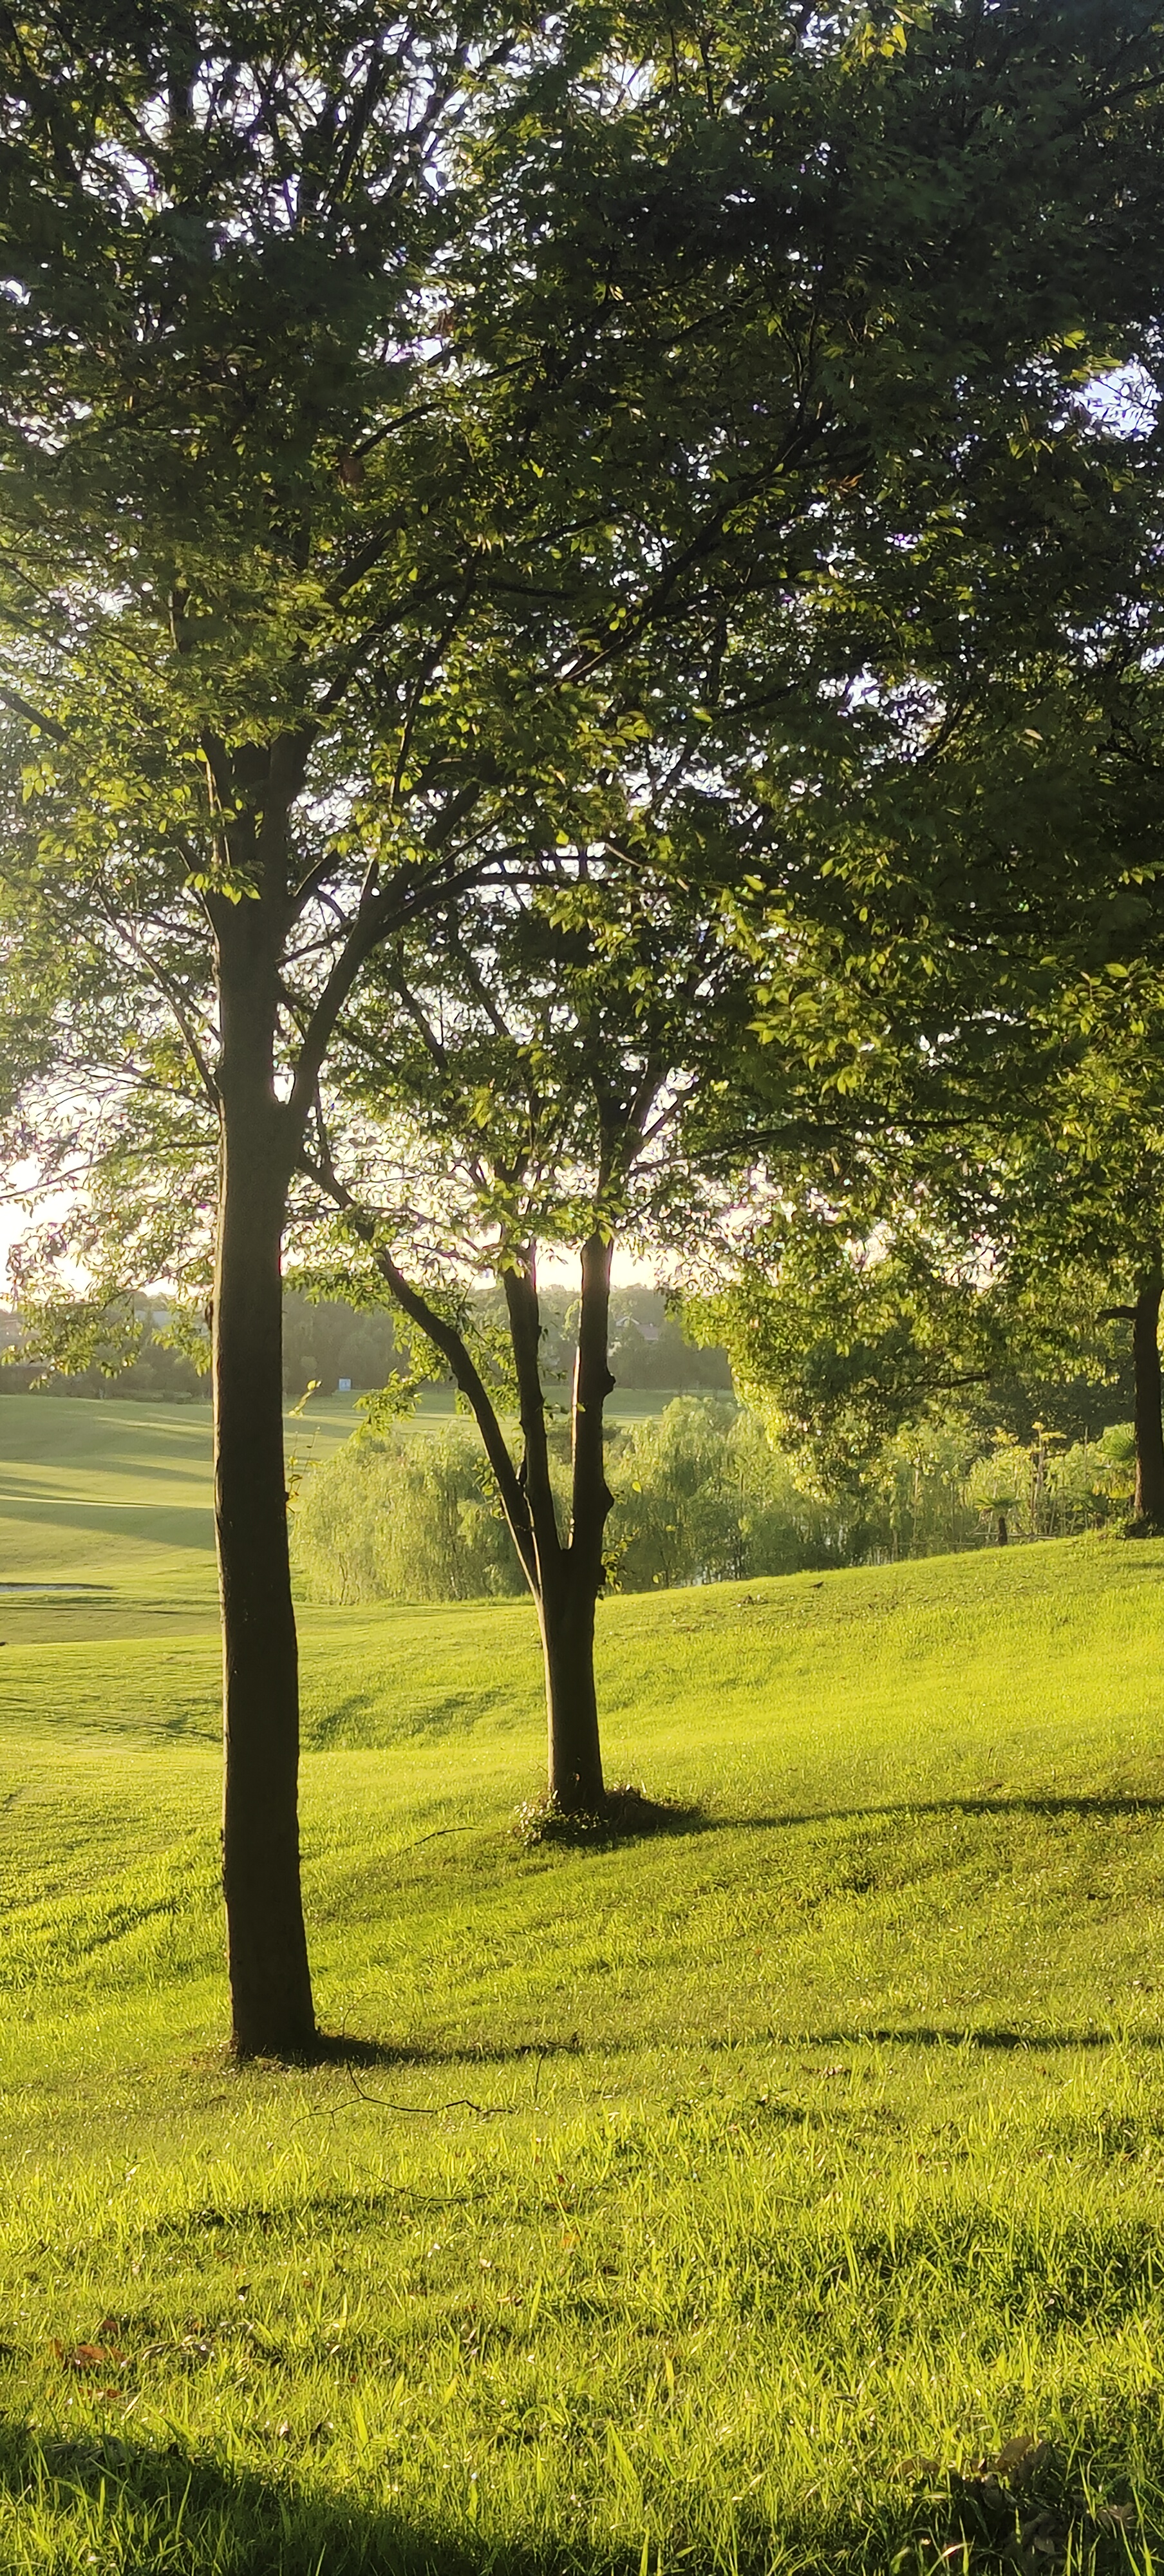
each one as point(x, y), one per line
point(928, 2035)
point(358, 2056)
point(675, 1819)
point(1115, 1802)
point(340, 2049)
point(173, 2510)
point(169, 2509)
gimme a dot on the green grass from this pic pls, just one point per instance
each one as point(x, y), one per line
point(109, 1503)
point(701, 2204)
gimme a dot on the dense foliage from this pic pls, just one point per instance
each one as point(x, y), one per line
point(699, 1496)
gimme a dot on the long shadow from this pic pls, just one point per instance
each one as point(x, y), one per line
point(679, 1821)
point(27, 1483)
point(1116, 1802)
point(175, 2511)
point(171, 2512)
point(107, 1520)
point(394, 2056)
point(338, 2049)
point(929, 2035)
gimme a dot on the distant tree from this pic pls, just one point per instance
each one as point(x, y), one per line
point(992, 1221)
point(649, 1349)
point(132, 1356)
point(401, 1517)
point(839, 1344)
point(326, 1339)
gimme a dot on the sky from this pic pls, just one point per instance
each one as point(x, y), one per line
point(627, 1272)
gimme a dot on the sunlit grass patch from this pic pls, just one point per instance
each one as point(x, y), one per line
point(725, 2199)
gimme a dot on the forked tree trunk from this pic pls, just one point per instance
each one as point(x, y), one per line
point(564, 1580)
point(1148, 1507)
point(270, 1981)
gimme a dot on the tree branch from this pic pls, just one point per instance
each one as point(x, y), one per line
point(521, 1300)
point(33, 715)
point(453, 1349)
point(375, 922)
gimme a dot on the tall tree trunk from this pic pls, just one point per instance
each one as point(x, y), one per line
point(270, 1981)
point(566, 1619)
point(1149, 1500)
point(567, 1605)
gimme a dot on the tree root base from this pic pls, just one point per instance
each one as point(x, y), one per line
point(625, 1813)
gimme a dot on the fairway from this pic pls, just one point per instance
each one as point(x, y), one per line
point(111, 1505)
point(700, 2204)
point(106, 1506)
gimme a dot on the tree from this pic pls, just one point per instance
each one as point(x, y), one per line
point(982, 1007)
point(989, 1202)
point(839, 1342)
point(390, 416)
point(550, 1095)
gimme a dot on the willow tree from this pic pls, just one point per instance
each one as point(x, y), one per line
point(390, 413)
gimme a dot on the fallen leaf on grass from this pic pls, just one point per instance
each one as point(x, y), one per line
point(87, 2356)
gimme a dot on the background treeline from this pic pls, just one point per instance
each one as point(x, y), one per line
point(327, 1339)
point(702, 1493)
point(700, 1496)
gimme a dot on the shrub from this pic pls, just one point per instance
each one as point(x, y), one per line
point(401, 1518)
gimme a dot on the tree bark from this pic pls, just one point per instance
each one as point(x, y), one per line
point(270, 1980)
point(566, 1620)
point(568, 1579)
point(1148, 1507)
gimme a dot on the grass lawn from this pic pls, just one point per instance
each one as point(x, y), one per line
point(721, 2202)
point(107, 1505)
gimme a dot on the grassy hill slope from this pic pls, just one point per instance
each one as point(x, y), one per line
point(106, 1518)
point(712, 2203)
point(110, 1504)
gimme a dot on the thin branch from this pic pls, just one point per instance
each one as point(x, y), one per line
point(375, 922)
point(175, 999)
point(419, 1018)
point(453, 1349)
point(33, 715)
